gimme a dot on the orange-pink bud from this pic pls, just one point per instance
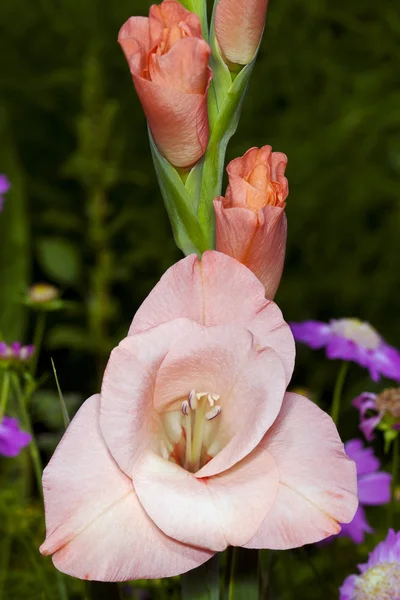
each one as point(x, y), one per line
point(251, 220)
point(168, 60)
point(238, 26)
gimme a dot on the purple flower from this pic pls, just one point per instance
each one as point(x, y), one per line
point(379, 578)
point(4, 187)
point(373, 488)
point(351, 339)
point(15, 352)
point(12, 438)
point(374, 407)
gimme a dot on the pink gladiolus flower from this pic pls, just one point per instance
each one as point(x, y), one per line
point(251, 220)
point(193, 444)
point(238, 27)
point(168, 60)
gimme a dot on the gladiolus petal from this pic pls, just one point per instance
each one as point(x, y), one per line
point(199, 290)
point(238, 26)
point(96, 526)
point(224, 360)
point(318, 484)
point(127, 418)
point(210, 512)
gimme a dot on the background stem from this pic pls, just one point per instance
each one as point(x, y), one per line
point(338, 390)
point(244, 583)
point(395, 475)
point(202, 583)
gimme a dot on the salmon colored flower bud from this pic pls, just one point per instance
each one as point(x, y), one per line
point(251, 220)
point(239, 25)
point(168, 60)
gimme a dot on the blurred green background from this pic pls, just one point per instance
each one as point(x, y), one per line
point(85, 212)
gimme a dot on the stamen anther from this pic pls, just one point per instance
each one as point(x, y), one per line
point(192, 399)
point(185, 408)
point(214, 412)
point(215, 397)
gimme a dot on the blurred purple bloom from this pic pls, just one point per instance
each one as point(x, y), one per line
point(16, 351)
point(12, 438)
point(379, 578)
point(351, 339)
point(373, 488)
point(388, 402)
point(4, 187)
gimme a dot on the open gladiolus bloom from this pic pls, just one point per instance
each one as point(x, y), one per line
point(193, 444)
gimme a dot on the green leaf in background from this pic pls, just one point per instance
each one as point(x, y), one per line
point(59, 259)
point(202, 583)
point(15, 257)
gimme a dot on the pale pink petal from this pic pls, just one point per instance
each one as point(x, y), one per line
point(318, 485)
point(96, 527)
point(170, 13)
point(256, 240)
point(212, 512)
point(249, 380)
point(238, 27)
point(184, 67)
point(266, 254)
point(235, 230)
point(177, 120)
point(128, 420)
point(135, 42)
point(199, 290)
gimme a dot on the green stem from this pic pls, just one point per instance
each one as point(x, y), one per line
point(38, 339)
point(4, 394)
point(202, 583)
point(337, 392)
point(395, 475)
point(27, 425)
point(243, 584)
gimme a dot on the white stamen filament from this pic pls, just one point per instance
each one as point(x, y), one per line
point(193, 400)
point(195, 424)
